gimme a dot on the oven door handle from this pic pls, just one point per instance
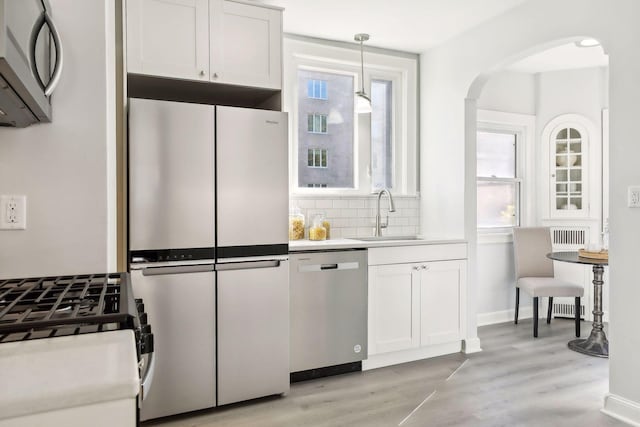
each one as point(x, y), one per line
point(145, 384)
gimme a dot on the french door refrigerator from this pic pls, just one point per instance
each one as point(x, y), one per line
point(208, 240)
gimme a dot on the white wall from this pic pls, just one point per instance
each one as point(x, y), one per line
point(62, 166)
point(582, 91)
point(510, 91)
point(451, 78)
point(546, 95)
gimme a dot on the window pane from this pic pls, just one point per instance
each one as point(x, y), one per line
point(310, 88)
point(497, 204)
point(381, 134)
point(496, 155)
point(338, 171)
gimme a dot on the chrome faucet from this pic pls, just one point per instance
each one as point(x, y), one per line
point(392, 208)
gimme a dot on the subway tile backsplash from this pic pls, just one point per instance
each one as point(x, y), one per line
point(355, 216)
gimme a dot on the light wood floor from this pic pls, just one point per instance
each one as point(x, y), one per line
point(514, 381)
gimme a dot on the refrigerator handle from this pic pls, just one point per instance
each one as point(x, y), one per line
point(248, 265)
point(180, 269)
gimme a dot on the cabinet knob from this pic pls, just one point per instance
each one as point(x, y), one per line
point(215, 75)
point(425, 267)
point(202, 72)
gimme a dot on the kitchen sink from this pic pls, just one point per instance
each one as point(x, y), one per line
point(383, 238)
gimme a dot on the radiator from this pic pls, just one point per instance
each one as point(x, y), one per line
point(570, 239)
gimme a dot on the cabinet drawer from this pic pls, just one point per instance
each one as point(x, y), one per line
point(418, 253)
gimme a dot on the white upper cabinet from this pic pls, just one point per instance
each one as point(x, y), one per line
point(567, 142)
point(246, 44)
point(168, 38)
point(220, 41)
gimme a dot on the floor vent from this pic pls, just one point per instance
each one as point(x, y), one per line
point(566, 310)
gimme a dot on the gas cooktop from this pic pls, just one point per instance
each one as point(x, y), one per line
point(47, 307)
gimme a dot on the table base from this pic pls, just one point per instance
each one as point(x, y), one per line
point(596, 345)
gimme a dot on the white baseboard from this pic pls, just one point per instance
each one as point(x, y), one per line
point(471, 345)
point(504, 316)
point(622, 409)
point(394, 358)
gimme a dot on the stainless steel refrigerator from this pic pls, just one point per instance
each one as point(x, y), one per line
point(208, 239)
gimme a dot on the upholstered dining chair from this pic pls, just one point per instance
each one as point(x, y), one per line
point(534, 273)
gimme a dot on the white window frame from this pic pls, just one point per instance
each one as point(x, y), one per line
point(516, 180)
point(523, 126)
point(401, 69)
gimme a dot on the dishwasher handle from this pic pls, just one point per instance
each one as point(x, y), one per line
point(178, 269)
point(308, 268)
point(248, 265)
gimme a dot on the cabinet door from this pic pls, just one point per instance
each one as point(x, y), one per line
point(569, 166)
point(246, 44)
point(394, 308)
point(441, 287)
point(168, 38)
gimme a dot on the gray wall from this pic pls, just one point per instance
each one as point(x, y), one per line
point(339, 137)
point(62, 167)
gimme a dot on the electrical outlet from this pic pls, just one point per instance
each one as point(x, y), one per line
point(633, 196)
point(13, 212)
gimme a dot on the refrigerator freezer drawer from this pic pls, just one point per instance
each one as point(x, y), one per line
point(253, 331)
point(180, 302)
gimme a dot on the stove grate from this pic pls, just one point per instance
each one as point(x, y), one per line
point(64, 305)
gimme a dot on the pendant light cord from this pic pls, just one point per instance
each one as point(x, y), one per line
point(362, 64)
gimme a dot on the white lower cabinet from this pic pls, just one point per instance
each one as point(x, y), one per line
point(394, 308)
point(440, 301)
point(416, 309)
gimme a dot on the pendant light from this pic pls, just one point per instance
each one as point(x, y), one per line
point(362, 101)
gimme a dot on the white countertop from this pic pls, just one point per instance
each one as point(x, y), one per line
point(321, 245)
point(53, 373)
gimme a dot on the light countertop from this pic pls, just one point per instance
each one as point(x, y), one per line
point(321, 245)
point(53, 373)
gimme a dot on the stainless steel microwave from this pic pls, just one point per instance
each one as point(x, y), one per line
point(30, 62)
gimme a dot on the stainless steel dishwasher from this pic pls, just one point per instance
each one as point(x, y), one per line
point(328, 312)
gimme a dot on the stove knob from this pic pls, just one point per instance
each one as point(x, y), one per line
point(143, 318)
point(146, 344)
point(145, 329)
